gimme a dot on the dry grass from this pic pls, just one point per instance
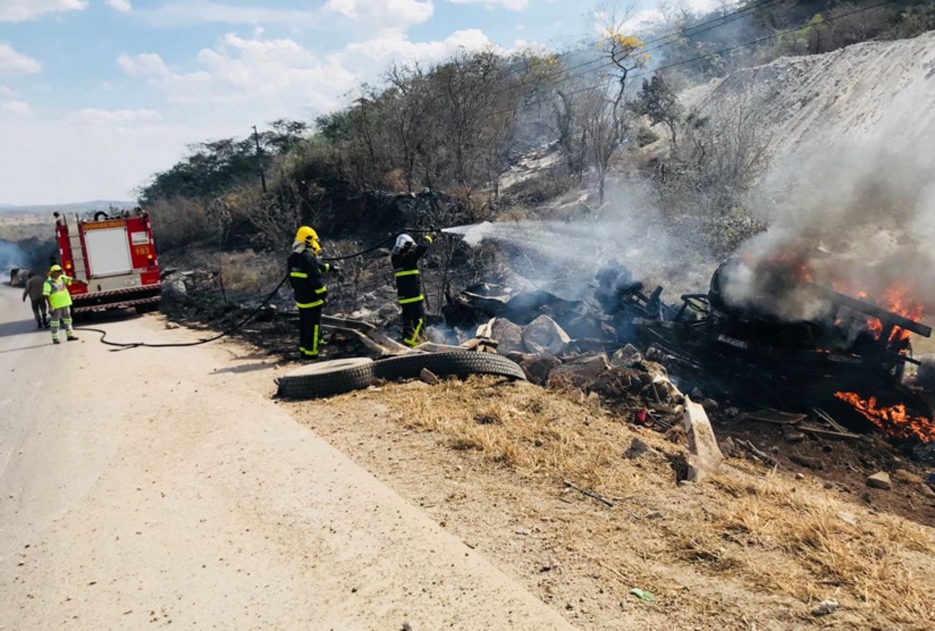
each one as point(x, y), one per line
point(768, 533)
point(249, 272)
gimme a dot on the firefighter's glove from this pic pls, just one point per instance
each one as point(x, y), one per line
point(334, 268)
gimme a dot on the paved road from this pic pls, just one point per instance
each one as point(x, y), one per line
point(156, 487)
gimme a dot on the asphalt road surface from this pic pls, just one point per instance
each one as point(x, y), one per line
point(158, 487)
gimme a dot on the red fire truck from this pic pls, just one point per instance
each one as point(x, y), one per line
point(112, 260)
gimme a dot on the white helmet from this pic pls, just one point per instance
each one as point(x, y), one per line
point(403, 242)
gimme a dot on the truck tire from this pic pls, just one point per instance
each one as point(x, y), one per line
point(454, 363)
point(326, 379)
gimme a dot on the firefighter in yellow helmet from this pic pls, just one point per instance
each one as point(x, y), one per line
point(56, 294)
point(311, 294)
point(405, 259)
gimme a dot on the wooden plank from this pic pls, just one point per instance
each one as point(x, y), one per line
point(830, 434)
point(769, 415)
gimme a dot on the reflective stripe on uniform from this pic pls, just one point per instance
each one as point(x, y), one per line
point(315, 341)
point(409, 301)
point(309, 305)
point(414, 340)
point(410, 272)
point(321, 290)
point(298, 274)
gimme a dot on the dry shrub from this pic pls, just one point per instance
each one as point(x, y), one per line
point(179, 222)
point(249, 272)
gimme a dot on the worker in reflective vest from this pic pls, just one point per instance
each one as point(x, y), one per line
point(56, 294)
point(311, 294)
point(405, 259)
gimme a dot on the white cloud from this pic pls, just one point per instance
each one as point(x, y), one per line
point(174, 14)
point(17, 108)
point(394, 46)
point(513, 5)
point(384, 13)
point(5, 91)
point(21, 10)
point(12, 62)
point(120, 5)
point(90, 115)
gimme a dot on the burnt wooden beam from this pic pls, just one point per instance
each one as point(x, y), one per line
point(887, 317)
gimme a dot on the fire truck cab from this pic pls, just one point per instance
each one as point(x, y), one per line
point(111, 259)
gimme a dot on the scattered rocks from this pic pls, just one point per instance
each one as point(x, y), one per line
point(710, 406)
point(825, 608)
point(538, 368)
point(580, 372)
point(880, 480)
point(848, 518)
point(509, 335)
point(728, 447)
point(545, 336)
point(927, 491)
point(429, 377)
point(628, 355)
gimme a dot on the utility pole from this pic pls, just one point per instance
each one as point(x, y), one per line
point(259, 158)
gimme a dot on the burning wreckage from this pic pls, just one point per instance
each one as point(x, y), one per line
point(788, 342)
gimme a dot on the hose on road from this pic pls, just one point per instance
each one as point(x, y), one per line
point(243, 322)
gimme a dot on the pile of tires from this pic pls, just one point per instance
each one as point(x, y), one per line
point(338, 376)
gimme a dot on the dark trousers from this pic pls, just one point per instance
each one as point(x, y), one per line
point(413, 322)
point(38, 310)
point(309, 330)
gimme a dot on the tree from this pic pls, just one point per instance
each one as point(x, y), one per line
point(659, 104)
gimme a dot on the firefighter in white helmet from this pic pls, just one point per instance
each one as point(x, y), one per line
point(311, 294)
point(56, 293)
point(405, 258)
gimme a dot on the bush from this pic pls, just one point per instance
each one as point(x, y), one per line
point(179, 222)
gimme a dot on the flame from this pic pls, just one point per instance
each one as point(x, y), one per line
point(893, 420)
point(896, 299)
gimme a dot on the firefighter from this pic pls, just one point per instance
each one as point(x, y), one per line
point(34, 289)
point(405, 259)
point(311, 294)
point(56, 293)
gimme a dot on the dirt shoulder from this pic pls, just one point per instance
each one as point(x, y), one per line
point(751, 548)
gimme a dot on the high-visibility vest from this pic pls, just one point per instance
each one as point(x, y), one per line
point(57, 292)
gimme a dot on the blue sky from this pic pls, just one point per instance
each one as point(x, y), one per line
point(96, 95)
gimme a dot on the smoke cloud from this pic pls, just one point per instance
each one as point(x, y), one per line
point(11, 256)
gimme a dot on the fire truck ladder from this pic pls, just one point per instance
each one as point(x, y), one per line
point(80, 271)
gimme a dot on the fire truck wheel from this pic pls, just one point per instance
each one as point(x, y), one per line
point(326, 379)
point(454, 363)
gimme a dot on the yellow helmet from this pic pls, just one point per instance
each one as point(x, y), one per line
point(309, 237)
point(55, 268)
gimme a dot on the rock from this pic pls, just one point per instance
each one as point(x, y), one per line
point(171, 325)
point(176, 291)
point(848, 518)
point(732, 412)
point(637, 449)
point(728, 448)
point(705, 457)
point(538, 368)
point(799, 476)
point(807, 461)
point(509, 336)
point(825, 608)
point(792, 435)
point(628, 355)
point(429, 377)
point(594, 401)
point(580, 372)
point(710, 406)
point(590, 327)
point(545, 336)
point(880, 480)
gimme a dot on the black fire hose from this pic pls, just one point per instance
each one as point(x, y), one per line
point(239, 325)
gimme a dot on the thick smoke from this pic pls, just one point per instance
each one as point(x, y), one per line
point(11, 256)
point(859, 217)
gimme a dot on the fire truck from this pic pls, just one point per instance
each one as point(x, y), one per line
point(112, 260)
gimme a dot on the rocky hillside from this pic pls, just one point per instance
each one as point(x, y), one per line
point(866, 89)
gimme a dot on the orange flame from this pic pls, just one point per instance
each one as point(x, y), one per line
point(893, 420)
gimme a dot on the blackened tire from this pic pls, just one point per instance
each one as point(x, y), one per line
point(326, 379)
point(455, 363)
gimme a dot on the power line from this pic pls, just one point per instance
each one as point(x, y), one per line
point(711, 24)
point(720, 52)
